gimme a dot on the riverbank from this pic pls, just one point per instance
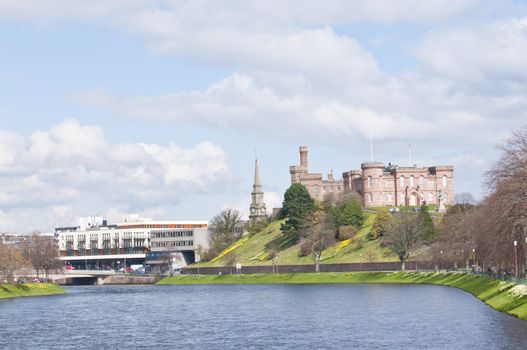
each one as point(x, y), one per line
point(503, 296)
point(29, 290)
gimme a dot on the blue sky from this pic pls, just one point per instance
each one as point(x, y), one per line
point(158, 107)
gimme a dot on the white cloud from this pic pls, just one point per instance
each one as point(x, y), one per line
point(493, 51)
point(72, 169)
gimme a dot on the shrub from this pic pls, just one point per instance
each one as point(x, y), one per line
point(346, 232)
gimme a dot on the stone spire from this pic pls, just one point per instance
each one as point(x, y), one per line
point(257, 207)
point(256, 175)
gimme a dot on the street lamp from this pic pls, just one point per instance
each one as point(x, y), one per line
point(474, 253)
point(360, 259)
point(516, 259)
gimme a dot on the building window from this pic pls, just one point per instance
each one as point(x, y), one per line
point(389, 197)
point(370, 198)
point(444, 181)
point(411, 180)
point(369, 181)
point(401, 180)
point(401, 198)
point(430, 197)
point(315, 189)
point(421, 180)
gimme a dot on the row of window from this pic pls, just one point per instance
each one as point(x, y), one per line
point(167, 234)
point(326, 189)
point(389, 183)
point(389, 197)
point(172, 244)
point(95, 251)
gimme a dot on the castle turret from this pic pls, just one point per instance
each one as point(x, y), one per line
point(371, 183)
point(258, 210)
point(303, 157)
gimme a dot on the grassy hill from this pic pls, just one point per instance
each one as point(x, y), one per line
point(254, 250)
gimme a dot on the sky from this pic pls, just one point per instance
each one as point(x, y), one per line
point(160, 107)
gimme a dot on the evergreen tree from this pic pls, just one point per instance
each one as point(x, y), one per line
point(296, 206)
point(352, 214)
point(427, 225)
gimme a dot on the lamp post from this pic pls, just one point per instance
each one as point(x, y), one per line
point(360, 259)
point(516, 259)
point(474, 253)
point(525, 270)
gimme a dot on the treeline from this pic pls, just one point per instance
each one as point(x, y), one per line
point(492, 234)
point(34, 254)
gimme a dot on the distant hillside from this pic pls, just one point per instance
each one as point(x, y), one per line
point(252, 250)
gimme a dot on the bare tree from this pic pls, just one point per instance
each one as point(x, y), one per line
point(404, 234)
point(457, 234)
point(42, 253)
point(318, 234)
point(224, 229)
point(11, 260)
point(502, 216)
point(273, 255)
point(465, 198)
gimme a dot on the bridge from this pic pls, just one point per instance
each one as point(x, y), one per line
point(100, 277)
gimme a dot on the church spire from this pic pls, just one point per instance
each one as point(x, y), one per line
point(256, 174)
point(258, 210)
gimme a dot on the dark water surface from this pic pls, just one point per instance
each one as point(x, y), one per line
point(258, 317)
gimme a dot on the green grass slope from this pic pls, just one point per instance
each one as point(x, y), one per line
point(254, 250)
point(503, 296)
point(29, 289)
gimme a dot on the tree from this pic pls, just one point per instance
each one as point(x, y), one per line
point(42, 253)
point(502, 215)
point(380, 224)
point(273, 255)
point(297, 204)
point(455, 236)
point(428, 228)
point(257, 226)
point(403, 235)
point(11, 260)
point(351, 213)
point(318, 234)
point(464, 198)
point(223, 229)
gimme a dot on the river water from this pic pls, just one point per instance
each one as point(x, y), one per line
point(258, 317)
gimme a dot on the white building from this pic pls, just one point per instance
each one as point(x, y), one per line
point(95, 244)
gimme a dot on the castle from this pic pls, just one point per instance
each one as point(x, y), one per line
point(381, 185)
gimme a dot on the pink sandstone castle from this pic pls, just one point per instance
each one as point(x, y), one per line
point(380, 185)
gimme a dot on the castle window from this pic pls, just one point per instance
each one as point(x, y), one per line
point(389, 197)
point(431, 183)
point(421, 180)
point(411, 180)
point(430, 197)
point(370, 197)
point(315, 188)
point(369, 182)
point(401, 198)
point(401, 180)
point(444, 180)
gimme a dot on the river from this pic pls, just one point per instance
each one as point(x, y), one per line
point(258, 317)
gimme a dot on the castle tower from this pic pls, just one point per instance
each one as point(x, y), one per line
point(257, 207)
